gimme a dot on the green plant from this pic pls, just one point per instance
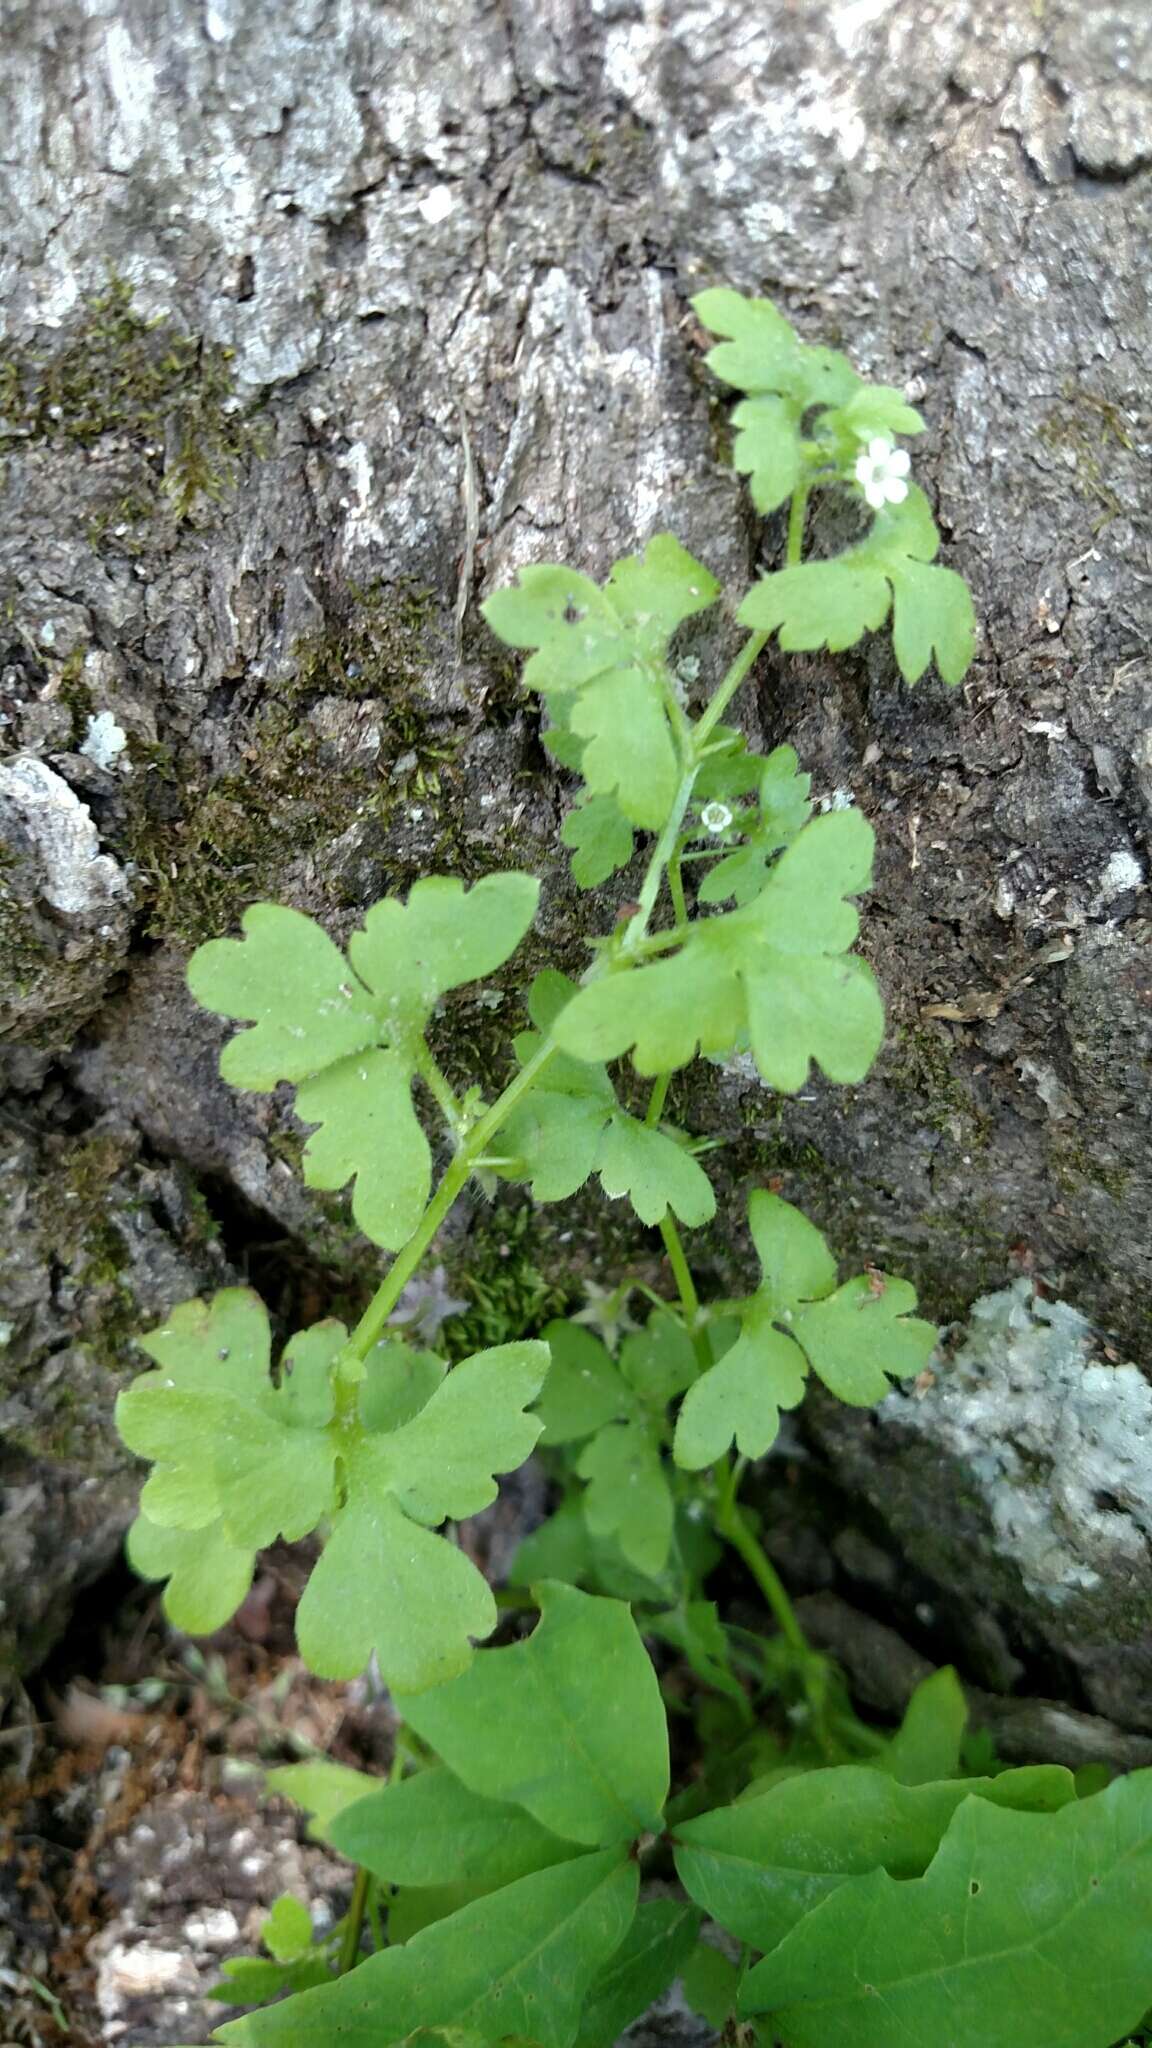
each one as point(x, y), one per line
point(872, 1886)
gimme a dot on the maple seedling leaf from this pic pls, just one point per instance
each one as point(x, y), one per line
point(349, 1030)
point(775, 974)
point(601, 661)
point(857, 1338)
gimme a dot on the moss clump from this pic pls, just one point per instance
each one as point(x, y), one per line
point(496, 1271)
point(143, 381)
point(1076, 1167)
point(1090, 428)
point(919, 1066)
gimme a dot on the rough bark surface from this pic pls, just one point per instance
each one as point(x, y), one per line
point(450, 249)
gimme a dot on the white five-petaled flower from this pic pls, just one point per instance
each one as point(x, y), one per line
point(715, 817)
point(882, 473)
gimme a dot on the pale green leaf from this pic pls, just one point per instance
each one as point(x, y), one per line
point(818, 1009)
point(208, 1577)
point(934, 620)
point(818, 604)
point(289, 981)
point(740, 1398)
point(287, 1931)
point(411, 953)
point(659, 1361)
point(600, 838)
point(785, 808)
point(398, 1382)
point(517, 1963)
point(767, 449)
point(568, 1724)
point(774, 971)
point(628, 1495)
point(630, 756)
point(369, 1132)
point(473, 1427)
point(864, 1336)
point(655, 1949)
point(696, 1630)
point(427, 1829)
point(384, 1584)
point(1028, 1930)
point(879, 409)
point(605, 653)
point(583, 1389)
point(795, 1262)
point(322, 1788)
point(655, 1173)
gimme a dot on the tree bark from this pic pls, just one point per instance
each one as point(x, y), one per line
point(420, 278)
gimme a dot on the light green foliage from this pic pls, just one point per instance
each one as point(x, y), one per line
point(833, 604)
point(350, 1030)
point(855, 1337)
point(600, 837)
point(572, 1126)
point(240, 1460)
point(876, 1887)
point(568, 1725)
point(619, 1412)
point(601, 663)
point(806, 420)
point(1028, 1930)
point(776, 975)
point(784, 809)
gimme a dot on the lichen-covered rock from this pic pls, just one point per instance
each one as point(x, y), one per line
point(399, 302)
point(64, 905)
point(1034, 1450)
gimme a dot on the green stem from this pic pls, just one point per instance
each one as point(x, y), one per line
point(662, 853)
point(796, 515)
point(753, 646)
point(685, 1285)
point(354, 1924)
point(676, 888)
point(656, 1100)
point(730, 1524)
point(473, 1148)
point(438, 1085)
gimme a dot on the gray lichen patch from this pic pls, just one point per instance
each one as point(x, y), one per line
point(1057, 1441)
point(65, 906)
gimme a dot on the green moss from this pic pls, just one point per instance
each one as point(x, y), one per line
point(919, 1066)
point(496, 1270)
point(1076, 1167)
point(73, 692)
point(22, 949)
point(169, 393)
point(1090, 428)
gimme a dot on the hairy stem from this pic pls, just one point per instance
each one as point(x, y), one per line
point(753, 646)
point(475, 1145)
point(439, 1087)
point(662, 854)
point(797, 512)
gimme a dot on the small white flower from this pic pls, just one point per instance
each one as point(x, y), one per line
point(715, 817)
point(882, 472)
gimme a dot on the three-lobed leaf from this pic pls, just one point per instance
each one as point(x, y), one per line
point(857, 1338)
point(775, 974)
point(601, 660)
point(241, 1460)
point(347, 1031)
